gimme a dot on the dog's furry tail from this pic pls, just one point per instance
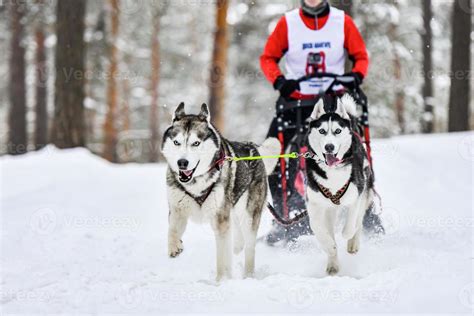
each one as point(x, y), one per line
point(372, 223)
point(270, 147)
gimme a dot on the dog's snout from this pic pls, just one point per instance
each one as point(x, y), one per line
point(329, 148)
point(183, 164)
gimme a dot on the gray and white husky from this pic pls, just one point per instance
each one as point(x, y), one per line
point(203, 185)
point(339, 176)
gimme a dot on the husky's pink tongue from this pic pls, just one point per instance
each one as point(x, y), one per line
point(331, 160)
point(187, 173)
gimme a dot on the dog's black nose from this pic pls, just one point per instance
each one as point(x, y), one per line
point(183, 164)
point(329, 148)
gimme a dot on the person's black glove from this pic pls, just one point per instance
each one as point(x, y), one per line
point(358, 78)
point(286, 87)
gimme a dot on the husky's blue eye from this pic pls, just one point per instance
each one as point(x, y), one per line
point(176, 143)
point(322, 132)
point(196, 143)
point(337, 131)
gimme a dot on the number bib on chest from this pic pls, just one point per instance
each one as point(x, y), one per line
point(312, 51)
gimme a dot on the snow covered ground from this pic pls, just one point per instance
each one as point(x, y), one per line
point(80, 235)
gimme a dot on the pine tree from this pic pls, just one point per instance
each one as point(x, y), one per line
point(428, 115)
point(110, 128)
point(69, 127)
point(41, 111)
point(460, 67)
point(219, 65)
point(17, 139)
point(399, 102)
point(154, 82)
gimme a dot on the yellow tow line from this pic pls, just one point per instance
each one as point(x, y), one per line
point(290, 155)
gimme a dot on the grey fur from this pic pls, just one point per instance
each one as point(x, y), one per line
point(233, 192)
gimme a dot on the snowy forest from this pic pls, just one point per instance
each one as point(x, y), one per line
point(129, 63)
point(86, 199)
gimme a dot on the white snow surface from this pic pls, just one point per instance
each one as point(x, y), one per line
point(81, 235)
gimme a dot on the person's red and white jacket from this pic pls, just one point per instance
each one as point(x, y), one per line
point(297, 28)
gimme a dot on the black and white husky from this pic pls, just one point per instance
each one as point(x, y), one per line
point(339, 176)
point(203, 185)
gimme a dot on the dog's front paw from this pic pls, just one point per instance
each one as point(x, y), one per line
point(333, 267)
point(175, 248)
point(353, 245)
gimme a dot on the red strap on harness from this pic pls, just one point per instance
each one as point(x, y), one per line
point(367, 150)
point(219, 162)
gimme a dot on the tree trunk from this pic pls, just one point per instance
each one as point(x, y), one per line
point(345, 5)
point(69, 127)
point(399, 93)
point(219, 66)
point(399, 102)
point(428, 115)
point(460, 67)
point(41, 120)
point(125, 103)
point(110, 129)
point(155, 81)
point(17, 138)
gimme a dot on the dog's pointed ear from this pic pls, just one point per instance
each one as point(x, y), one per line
point(346, 106)
point(179, 112)
point(318, 110)
point(350, 104)
point(340, 110)
point(205, 112)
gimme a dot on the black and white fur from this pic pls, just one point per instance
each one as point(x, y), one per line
point(230, 196)
point(339, 157)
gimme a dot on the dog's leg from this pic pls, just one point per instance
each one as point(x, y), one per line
point(250, 223)
point(353, 243)
point(322, 223)
point(250, 236)
point(237, 236)
point(179, 205)
point(353, 217)
point(177, 225)
point(221, 226)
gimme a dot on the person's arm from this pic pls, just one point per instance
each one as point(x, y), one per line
point(275, 48)
point(355, 46)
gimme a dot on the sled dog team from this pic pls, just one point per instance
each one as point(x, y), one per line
point(204, 185)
